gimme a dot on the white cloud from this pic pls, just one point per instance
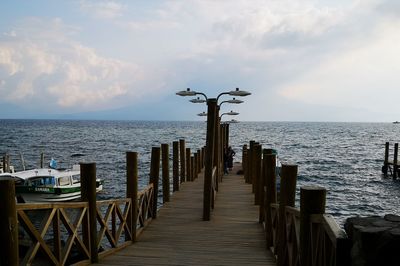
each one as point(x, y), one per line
point(65, 74)
point(102, 9)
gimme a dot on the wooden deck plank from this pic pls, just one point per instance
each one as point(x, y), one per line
point(179, 236)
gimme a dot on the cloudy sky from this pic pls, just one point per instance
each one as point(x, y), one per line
point(302, 60)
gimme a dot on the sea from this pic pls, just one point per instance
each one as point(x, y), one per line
point(345, 158)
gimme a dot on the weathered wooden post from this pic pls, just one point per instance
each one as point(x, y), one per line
point(386, 161)
point(312, 201)
point(165, 171)
point(250, 163)
point(182, 159)
point(88, 193)
point(4, 164)
point(175, 166)
point(188, 165)
point(41, 159)
point(199, 161)
point(132, 189)
point(227, 135)
point(395, 166)
point(193, 168)
point(263, 182)
point(287, 198)
point(270, 197)
point(257, 173)
point(154, 176)
point(211, 117)
point(203, 152)
point(8, 224)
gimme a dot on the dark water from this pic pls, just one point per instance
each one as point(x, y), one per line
point(346, 158)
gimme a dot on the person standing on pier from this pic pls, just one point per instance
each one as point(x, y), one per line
point(230, 154)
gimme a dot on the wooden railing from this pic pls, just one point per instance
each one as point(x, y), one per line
point(55, 233)
point(65, 233)
point(304, 236)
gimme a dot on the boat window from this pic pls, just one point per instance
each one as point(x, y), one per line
point(64, 180)
point(76, 179)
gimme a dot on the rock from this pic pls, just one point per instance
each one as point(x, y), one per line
point(375, 240)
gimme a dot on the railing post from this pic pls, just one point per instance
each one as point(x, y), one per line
point(270, 197)
point(244, 162)
point(165, 171)
point(250, 163)
point(193, 168)
point(312, 201)
point(257, 173)
point(132, 189)
point(188, 165)
point(211, 117)
point(154, 176)
point(287, 198)
point(199, 161)
point(263, 182)
point(395, 166)
point(8, 224)
point(175, 166)
point(386, 162)
point(88, 193)
point(182, 159)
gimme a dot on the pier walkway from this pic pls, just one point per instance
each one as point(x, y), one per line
point(179, 236)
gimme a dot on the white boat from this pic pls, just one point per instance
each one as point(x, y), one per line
point(48, 184)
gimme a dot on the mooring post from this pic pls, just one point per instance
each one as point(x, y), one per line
point(182, 159)
point(195, 172)
point(257, 173)
point(312, 201)
point(386, 161)
point(41, 159)
point(154, 176)
point(165, 171)
point(132, 189)
point(188, 165)
point(175, 166)
point(287, 198)
point(209, 159)
point(270, 197)
point(8, 224)
point(395, 166)
point(88, 193)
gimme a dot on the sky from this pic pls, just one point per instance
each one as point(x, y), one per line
point(303, 60)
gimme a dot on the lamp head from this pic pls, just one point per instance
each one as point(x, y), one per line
point(238, 92)
point(187, 92)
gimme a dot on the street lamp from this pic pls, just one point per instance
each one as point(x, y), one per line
point(213, 154)
point(197, 100)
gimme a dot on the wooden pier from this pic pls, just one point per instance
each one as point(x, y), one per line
point(179, 236)
point(209, 219)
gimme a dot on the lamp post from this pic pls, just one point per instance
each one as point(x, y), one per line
point(212, 146)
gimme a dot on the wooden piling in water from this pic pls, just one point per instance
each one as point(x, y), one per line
point(312, 201)
point(165, 171)
point(154, 176)
point(182, 159)
point(88, 193)
point(8, 224)
point(386, 161)
point(263, 182)
point(287, 198)
point(132, 189)
point(175, 166)
point(395, 166)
